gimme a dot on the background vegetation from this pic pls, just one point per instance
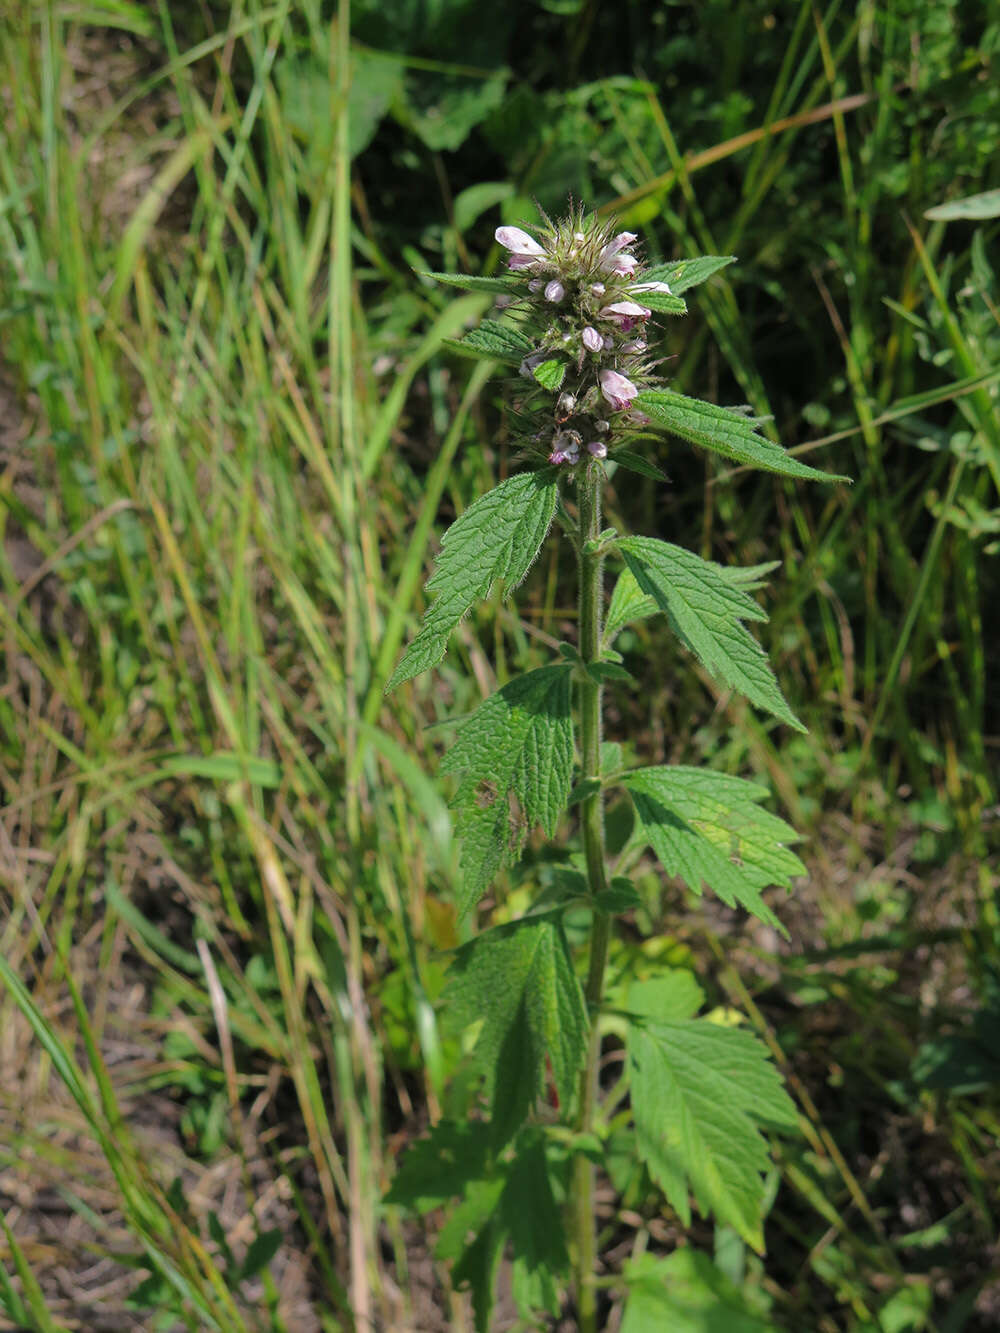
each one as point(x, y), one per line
point(228, 436)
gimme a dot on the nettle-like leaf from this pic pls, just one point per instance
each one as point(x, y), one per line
point(492, 341)
point(629, 603)
point(471, 282)
point(708, 829)
point(518, 743)
point(518, 1205)
point(498, 537)
point(518, 981)
point(686, 1293)
point(550, 374)
point(723, 430)
point(701, 1094)
point(680, 274)
point(440, 1166)
point(664, 303)
point(706, 608)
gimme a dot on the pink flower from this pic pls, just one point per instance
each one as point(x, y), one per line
point(620, 242)
point(618, 390)
point(650, 287)
point(626, 314)
point(634, 345)
point(622, 266)
point(591, 339)
point(522, 261)
point(518, 241)
point(554, 291)
point(598, 448)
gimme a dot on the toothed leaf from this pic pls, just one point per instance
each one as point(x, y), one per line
point(706, 608)
point(518, 742)
point(709, 829)
point(498, 537)
point(724, 431)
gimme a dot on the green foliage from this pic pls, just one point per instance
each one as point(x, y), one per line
point(518, 982)
point(701, 1094)
point(550, 374)
point(518, 743)
point(706, 609)
point(494, 341)
point(629, 603)
point(497, 537)
point(680, 274)
point(686, 1293)
point(509, 1200)
point(708, 828)
point(723, 430)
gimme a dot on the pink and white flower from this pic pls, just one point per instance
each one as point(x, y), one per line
point(622, 266)
point(525, 252)
point(591, 339)
point(620, 242)
point(554, 291)
point(598, 449)
point(626, 314)
point(618, 390)
point(650, 287)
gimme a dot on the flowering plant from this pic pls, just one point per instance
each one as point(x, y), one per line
point(576, 308)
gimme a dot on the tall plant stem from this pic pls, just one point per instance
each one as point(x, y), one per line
point(592, 821)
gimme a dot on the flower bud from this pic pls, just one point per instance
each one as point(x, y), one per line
point(522, 261)
point(650, 287)
point(591, 339)
point(635, 345)
point(618, 390)
point(598, 449)
point(598, 289)
point(566, 405)
point(554, 291)
point(535, 285)
point(601, 426)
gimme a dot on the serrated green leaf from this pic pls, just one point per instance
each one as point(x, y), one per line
point(472, 282)
point(518, 742)
point(708, 828)
point(494, 341)
point(700, 1095)
point(629, 603)
point(706, 609)
point(724, 431)
point(673, 996)
point(440, 1166)
point(619, 896)
point(664, 303)
point(523, 1210)
point(518, 981)
point(550, 374)
point(498, 537)
point(680, 274)
point(535, 1226)
point(636, 463)
point(685, 1293)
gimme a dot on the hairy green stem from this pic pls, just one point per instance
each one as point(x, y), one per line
point(592, 824)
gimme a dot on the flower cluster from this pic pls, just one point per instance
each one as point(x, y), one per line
point(583, 302)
